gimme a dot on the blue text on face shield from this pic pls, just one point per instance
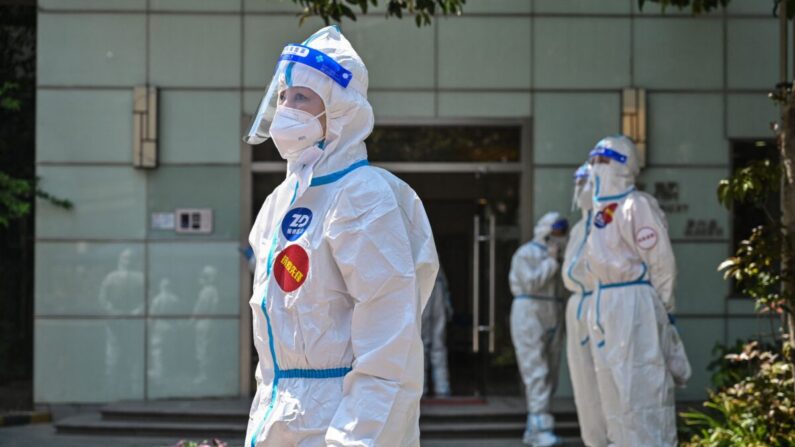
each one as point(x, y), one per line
point(319, 61)
point(609, 153)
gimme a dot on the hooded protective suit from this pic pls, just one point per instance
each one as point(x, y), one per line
point(631, 259)
point(434, 324)
point(345, 265)
point(536, 331)
point(593, 428)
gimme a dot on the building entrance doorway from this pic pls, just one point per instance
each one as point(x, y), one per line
point(473, 182)
point(474, 220)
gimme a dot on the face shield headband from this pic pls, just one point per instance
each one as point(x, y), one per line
point(259, 130)
point(609, 153)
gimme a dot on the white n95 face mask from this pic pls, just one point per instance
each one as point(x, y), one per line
point(294, 130)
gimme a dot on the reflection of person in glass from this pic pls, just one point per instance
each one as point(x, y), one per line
point(207, 304)
point(437, 313)
point(121, 292)
point(164, 303)
point(122, 289)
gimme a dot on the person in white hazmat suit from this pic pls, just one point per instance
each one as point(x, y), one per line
point(637, 354)
point(535, 319)
point(593, 429)
point(345, 262)
point(437, 313)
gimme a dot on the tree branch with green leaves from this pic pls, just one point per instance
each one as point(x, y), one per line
point(16, 194)
point(337, 10)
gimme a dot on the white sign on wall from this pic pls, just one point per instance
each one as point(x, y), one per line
point(162, 221)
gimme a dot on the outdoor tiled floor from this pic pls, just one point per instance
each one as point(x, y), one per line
point(43, 435)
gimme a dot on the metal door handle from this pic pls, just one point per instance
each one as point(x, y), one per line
point(492, 284)
point(476, 286)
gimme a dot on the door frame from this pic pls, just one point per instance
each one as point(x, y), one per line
point(249, 168)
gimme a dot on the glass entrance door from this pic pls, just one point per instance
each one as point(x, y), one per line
point(474, 217)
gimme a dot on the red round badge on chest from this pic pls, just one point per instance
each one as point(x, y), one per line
point(291, 267)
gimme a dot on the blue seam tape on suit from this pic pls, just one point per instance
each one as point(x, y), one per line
point(294, 373)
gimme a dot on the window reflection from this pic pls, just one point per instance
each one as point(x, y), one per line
point(206, 342)
point(122, 288)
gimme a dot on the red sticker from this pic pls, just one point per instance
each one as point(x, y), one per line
point(604, 217)
point(646, 238)
point(291, 267)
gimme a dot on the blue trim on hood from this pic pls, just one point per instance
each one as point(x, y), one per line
point(334, 176)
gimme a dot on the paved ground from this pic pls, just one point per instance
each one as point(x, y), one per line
point(43, 435)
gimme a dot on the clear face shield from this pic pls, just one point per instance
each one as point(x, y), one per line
point(259, 130)
point(581, 185)
point(611, 170)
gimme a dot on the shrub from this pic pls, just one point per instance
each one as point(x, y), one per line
point(756, 411)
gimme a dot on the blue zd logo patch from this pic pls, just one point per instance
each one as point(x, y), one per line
point(296, 222)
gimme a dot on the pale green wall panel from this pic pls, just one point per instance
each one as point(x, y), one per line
point(568, 125)
point(87, 5)
point(693, 205)
point(700, 288)
point(91, 49)
point(251, 100)
point(215, 187)
point(741, 306)
point(484, 52)
point(200, 127)
point(699, 336)
point(89, 279)
point(484, 105)
point(84, 126)
point(272, 6)
point(752, 54)
point(498, 6)
point(194, 278)
point(753, 327)
point(108, 202)
point(85, 361)
point(471, 6)
point(582, 6)
point(195, 50)
point(401, 104)
point(193, 358)
point(397, 53)
point(552, 191)
point(196, 5)
point(686, 129)
point(678, 53)
point(264, 39)
point(750, 115)
point(581, 53)
point(654, 10)
point(738, 7)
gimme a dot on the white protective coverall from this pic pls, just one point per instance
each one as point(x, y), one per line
point(344, 267)
point(593, 428)
point(629, 254)
point(536, 329)
point(434, 324)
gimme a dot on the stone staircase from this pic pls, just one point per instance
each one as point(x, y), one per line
point(441, 419)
